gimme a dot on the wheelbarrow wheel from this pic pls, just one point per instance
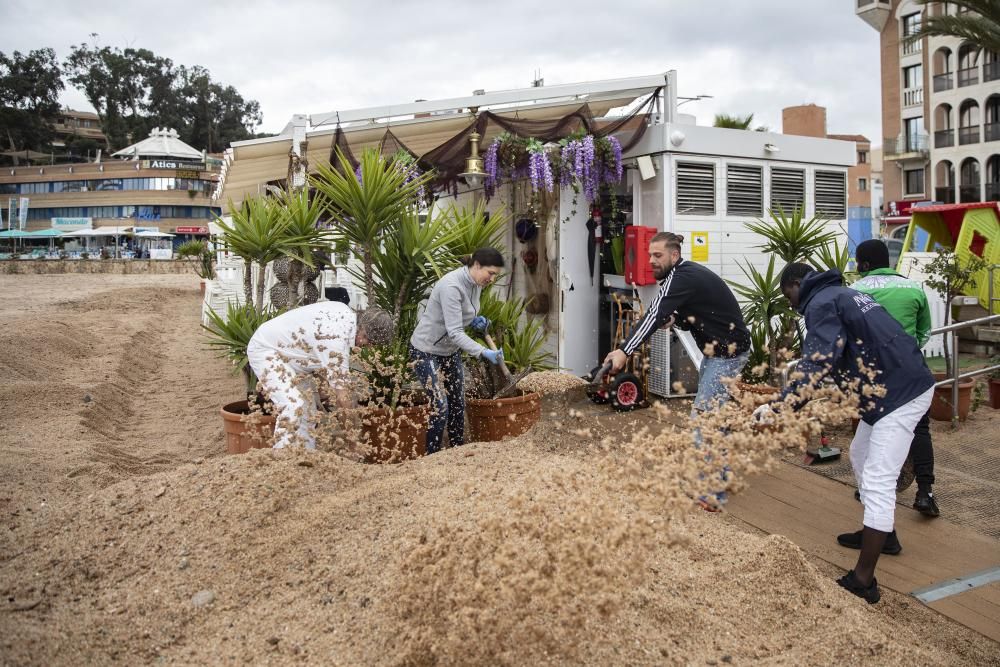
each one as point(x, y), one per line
point(597, 393)
point(626, 392)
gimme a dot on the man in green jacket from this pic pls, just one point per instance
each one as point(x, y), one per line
point(905, 300)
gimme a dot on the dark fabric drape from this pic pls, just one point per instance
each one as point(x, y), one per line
point(340, 141)
point(449, 158)
point(391, 144)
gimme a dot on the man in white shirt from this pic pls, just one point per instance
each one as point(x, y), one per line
point(316, 338)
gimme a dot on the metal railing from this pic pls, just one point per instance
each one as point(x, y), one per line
point(943, 82)
point(944, 138)
point(968, 76)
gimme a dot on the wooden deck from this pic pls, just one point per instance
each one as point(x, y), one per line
point(811, 510)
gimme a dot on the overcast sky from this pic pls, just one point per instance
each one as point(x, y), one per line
point(297, 56)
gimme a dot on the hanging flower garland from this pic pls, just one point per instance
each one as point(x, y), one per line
point(580, 161)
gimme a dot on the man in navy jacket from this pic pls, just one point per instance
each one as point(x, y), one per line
point(852, 338)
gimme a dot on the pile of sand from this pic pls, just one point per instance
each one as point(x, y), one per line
point(571, 543)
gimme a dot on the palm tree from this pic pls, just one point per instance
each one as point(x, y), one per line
point(981, 25)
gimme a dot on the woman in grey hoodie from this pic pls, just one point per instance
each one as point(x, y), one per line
point(438, 342)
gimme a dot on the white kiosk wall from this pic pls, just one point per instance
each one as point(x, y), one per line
point(578, 293)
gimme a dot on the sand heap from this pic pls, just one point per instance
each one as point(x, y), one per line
point(503, 553)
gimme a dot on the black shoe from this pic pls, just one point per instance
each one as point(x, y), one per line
point(892, 547)
point(869, 593)
point(925, 504)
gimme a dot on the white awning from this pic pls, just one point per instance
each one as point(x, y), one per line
point(153, 235)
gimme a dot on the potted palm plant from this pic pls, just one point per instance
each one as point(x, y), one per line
point(246, 426)
point(202, 259)
point(374, 213)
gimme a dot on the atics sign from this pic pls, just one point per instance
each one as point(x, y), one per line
point(173, 164)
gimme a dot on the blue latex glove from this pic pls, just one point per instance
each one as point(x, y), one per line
point(479, 324)
point(493, 356)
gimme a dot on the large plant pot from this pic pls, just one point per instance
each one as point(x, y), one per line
point(495, 419)
point(245, 431)
point(395, 435)
point(762, 393)
point(941, 408)
point(995, 394)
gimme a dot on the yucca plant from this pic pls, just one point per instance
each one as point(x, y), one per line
point(258, 234)
point(521, 339)
point(475, 228)
point(366, 210)
point(834, 256)
point(231, 334)
point(766, 313)
point(791, 237)
point(201, 257)
point(305, 238)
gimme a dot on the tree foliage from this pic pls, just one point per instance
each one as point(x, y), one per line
point(980, 25)
point(29, 98)
point(736, 122)
point(134, 90)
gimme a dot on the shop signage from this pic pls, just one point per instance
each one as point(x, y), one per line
point(173, 164)
point(191, 230)
point(699, 246)
point(145, 229)
point(187, 173)
point(72, 224)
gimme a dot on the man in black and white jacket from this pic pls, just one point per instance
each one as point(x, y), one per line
point(692, 298)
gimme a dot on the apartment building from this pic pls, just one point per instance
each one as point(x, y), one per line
point(940, 111)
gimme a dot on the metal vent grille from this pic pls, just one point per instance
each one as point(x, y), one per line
point(788, 189)
point(659, 363)
point(696, 188)
point(744, 190)
point(831, 194)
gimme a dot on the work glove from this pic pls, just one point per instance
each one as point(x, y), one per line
point(764, 414)
point(493, 356)
point(479, 324)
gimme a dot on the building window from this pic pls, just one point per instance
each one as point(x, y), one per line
point(744, 190)
point(788, 189)
point(862, 185)
point(913, 129)
point(911, 24)
point(695, 188)
point(862, 157)
point(913, 182)
point(913, 77)
point(831, 194)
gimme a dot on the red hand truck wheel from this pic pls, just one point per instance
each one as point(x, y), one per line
point(626, 392)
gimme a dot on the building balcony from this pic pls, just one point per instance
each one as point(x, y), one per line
point(991, 132)
point(913, 97)
point(968, 76)
point(991, 71)
point(943, 82)
point(944, 195)
point(910, 48)
point(874, 12)
point(968, 193)
point(903, 147)
point(993, 192)
point(944, 138)
point(968, 135)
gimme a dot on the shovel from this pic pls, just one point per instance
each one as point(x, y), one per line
point(509, 381)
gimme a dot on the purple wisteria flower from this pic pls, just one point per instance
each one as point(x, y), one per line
point(616, 149)
point(492, 167)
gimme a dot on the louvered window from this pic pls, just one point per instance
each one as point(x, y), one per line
point(744, 190)
point(788, 189)
point(695, 188)
point(831, 194)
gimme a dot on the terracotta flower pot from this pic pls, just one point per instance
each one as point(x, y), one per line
point(203, 288)
point(995, 393)
point(245, 431)
point(941, 403)
point(495, 419)
point(395, 435)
